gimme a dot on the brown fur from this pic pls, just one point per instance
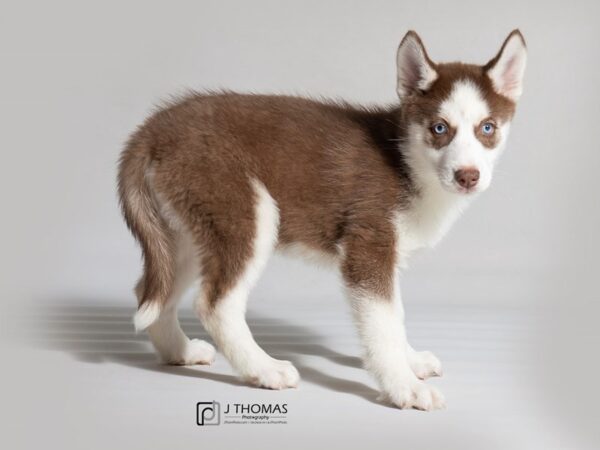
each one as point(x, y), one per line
point(145, 221)
point(423, 107)
point(333, 170)
point(336, 172)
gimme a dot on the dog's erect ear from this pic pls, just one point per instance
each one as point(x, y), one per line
point(416, 72)
point(506, 69)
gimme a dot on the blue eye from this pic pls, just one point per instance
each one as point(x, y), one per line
point(440, 128)
point(488, 128)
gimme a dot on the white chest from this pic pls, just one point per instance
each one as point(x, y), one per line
point(426, 222)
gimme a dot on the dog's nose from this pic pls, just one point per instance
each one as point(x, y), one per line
point(467, 177)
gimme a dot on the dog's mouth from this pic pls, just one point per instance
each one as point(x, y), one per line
point(455, 188)
point(464, 190)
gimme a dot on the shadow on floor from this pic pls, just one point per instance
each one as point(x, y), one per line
point(97, 334)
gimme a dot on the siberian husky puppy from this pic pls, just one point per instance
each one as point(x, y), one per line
point(212, 184)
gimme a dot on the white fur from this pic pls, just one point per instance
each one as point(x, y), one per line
point(226, 321)
point(171, 343)
point(465, 109)
point(428, 219)
point(381, 328)
point(311, 254)
point(434, 209)
point(146, 315)
point(440, 201)
point(424, 364)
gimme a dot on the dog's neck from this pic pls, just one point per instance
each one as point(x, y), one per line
point(432, 209)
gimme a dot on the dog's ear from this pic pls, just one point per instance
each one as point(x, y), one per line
point(416, 72)
point(507, 68)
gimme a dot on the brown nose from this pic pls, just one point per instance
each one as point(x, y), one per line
point(467, 177)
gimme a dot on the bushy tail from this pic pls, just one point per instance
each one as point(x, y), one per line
point(145, 221)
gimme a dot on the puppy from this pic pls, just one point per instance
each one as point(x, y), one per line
point(212, 184)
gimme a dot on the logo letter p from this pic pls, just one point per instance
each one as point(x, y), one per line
point(207, 413)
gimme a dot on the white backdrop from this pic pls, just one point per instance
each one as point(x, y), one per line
point(77, 78)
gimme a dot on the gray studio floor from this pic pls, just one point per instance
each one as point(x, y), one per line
point(92, 375)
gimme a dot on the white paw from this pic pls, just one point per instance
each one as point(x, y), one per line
point(274, 374)
point(417, 395)
point(425, 364)
point(196, 352)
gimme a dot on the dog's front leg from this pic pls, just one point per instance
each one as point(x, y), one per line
point(372, 284)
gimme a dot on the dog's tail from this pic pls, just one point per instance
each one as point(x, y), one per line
point(145, 221)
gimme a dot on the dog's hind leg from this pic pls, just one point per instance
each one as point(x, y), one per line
point(232, 262)
point(169, 340)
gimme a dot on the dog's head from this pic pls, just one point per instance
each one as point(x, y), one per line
point(457, 116)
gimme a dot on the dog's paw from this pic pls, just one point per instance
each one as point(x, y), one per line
point(425, 364)
point(195, 352)
point(416, 395)
point(274, 374)
point(200, 352)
